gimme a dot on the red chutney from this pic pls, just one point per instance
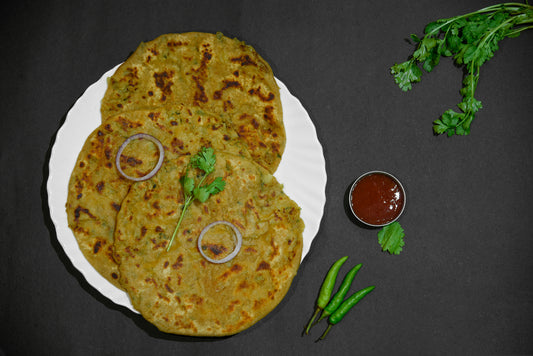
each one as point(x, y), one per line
point(377, 199)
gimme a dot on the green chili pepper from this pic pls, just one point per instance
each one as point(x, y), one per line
point(345, 308)
point(326, 289)
point(341, 293)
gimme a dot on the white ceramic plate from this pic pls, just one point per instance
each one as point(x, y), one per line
point(302, 172)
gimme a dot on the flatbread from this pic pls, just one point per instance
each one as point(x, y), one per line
point(180, 291)
point(96, 189)
point(222, 75)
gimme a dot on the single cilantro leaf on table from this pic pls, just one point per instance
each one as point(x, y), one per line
point(390, 237)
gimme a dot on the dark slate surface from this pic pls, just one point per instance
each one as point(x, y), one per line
point(462, 285)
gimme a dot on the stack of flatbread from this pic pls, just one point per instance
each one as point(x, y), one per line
point(189, 91)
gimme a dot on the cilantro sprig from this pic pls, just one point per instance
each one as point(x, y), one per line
point(204, 164)
point(471, 40)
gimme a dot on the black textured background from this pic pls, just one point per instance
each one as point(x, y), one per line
point(462, 285)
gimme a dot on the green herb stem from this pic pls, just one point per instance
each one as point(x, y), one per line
point(517, 31)
point(185, 206)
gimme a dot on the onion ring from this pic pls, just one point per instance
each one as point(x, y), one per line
point(157, 166)
point(237, 239)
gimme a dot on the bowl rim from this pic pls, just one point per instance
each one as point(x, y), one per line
point(386, 174)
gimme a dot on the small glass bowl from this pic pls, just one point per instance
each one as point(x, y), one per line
point(388, 221)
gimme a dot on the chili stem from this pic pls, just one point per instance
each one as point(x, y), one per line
point(325, 333)
point(315, 314)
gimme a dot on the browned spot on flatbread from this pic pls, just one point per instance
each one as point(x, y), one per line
point(177, 143)
point(179, 262)
point(236, 268)
point(259, 303)
point(255, 124)
point(162, 297)
point(154, 115)
point(200, 96)
point(232, 305)
point(151, 281)
point(215, 249)
point(79, 210)
point(268, 116)
point(268, 97)
point(244, 285)
point(263, 266)
point(217, 95)
point(244, 60)
point(127, 124)
point(108, 154)
point(173, 43)
point(130, 161)
point(97, 246)
point(196, 299)
point(163, 82)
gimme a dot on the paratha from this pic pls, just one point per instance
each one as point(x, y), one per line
point(96, 189)
point(222, 75)
point(180, 291)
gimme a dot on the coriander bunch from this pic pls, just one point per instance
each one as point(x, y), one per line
point(471, 40)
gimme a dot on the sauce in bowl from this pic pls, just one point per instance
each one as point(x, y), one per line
point(377, 198)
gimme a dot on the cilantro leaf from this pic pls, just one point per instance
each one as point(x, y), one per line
point(216, 186)
point(406, 73)
point(425, 48)
point(432, 27)
point(201, 194)
point(187, 184)
point(432, 60)
point(204, 160)
point(415, 38)
point(204, 192)
point(448, 122)
point(390, 237)
point(470, 104)
point(439, 127)
point(453, 41)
